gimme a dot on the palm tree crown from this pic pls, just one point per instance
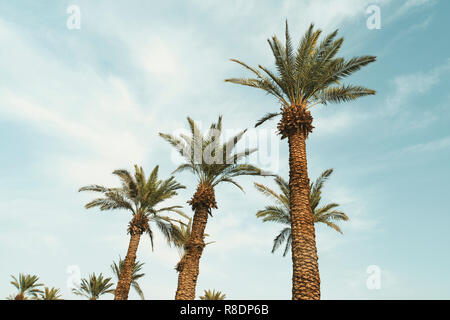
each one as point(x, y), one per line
point(95, 287)
point(135, 276)
point(140, 196)
point(50, 294)
point(279, 213)
point(27, 285)
point(212, 161)
point(308, 76)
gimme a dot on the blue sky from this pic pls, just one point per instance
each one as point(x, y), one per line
point(77, 104)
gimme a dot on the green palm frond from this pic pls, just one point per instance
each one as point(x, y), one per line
point(279, 198)
point(281, 238)
point(342, 94)
point(266, 117)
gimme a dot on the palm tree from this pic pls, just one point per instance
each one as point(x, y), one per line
point(135, 276)
point(27, 285)
point(140, 196)
point(50, 294)
point(312, 75)
point(213, 295)
point(211, 163)
point(94, 287)
point(279, 213)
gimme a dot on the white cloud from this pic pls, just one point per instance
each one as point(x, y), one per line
point(409, 85)
point(406, 8)
point(434, 145)
point(338, 122)
point(413, 4)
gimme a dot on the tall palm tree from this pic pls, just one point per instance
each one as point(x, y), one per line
point(279, 213)
point(139, 196)
point(310, 76)
point(27, 286)
point(95, 287)
point(213, 295)
point(197, 151)
point(135, 276)
point(50, 294)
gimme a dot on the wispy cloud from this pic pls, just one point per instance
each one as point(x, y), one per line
point(430, 146)
point(406, 87)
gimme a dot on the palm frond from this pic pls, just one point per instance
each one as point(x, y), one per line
point(281, 214)
point(266, 117)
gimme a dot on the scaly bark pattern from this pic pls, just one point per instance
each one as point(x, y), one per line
point(202, 202)
point(296, 124)
point(137, 226)
point(305, 277)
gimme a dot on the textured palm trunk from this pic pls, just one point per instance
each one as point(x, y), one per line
point(305, 277)
point(20, 296)
point(189, 268)
point(123, 286)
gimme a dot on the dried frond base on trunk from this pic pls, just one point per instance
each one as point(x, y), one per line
point(295, 118)
point(138, 225)
point(204, 197)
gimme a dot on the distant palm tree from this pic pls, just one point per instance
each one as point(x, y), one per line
point(213, 295)
point(140, 196)
point(212, 163)
point(280, 213)
point(50, 294)
point(27, 286)
point(309, 76)
point(135, 276)
point(95, 287)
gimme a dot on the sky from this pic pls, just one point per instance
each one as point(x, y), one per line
point(76, 104)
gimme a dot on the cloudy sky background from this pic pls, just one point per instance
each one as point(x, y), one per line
point(77, 104)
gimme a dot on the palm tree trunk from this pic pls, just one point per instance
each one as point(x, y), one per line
point(123, 286)
point(189, 266)
point(305, 277)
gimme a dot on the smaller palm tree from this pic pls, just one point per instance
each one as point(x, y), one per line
point(213, 295)
point(135, 275)
point(212, 162)
point(140, 196)
point(27, 285)
point(94, 287)
point(50, 294)
point(280, 213)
